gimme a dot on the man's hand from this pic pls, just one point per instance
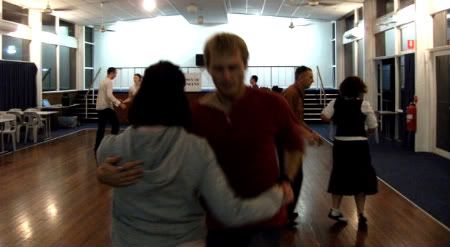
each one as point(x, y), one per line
point(287, 192)
point(117, 176)
point(314, 139)
point(123, 106)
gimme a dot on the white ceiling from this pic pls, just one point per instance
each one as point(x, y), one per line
point(89, 12)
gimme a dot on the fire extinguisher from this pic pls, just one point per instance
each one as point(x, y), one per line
point(411, 117)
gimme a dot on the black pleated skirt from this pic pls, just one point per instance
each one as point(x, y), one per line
point(352, 171)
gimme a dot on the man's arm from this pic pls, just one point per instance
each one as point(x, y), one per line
point(292, 101)
point(310, 135)
point(293, 160)
point(110, 95)
point(116, 176)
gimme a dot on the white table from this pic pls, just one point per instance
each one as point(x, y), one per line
point(46, 115)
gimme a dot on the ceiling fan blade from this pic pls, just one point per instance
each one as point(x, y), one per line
point(110, 30)
point(64, 9)
point(327, 4)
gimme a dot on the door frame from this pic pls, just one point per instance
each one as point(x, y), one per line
point(434, 148)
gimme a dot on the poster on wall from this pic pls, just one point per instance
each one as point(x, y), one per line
point(193, 82)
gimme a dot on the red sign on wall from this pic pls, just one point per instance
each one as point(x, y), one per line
point(411, 44)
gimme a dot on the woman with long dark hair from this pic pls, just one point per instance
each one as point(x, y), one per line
point(164, 208)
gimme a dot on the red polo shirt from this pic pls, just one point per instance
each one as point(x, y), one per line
point(244, 142)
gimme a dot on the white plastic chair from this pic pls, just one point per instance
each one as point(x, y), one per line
point(9, 128)
point(33, 121)
point(19, 123)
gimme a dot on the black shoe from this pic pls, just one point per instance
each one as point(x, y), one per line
point(291, 224)
point(337, 217)
point(292, 216)
point(362, 220)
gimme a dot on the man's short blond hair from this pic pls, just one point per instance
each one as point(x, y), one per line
point(225, 43)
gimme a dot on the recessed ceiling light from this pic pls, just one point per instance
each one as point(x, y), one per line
point(149, 5)
point(200, 19)
point(192, 9)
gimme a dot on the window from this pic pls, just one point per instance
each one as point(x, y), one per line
point(66, 28)
point(88, 77)
point(405, 3)
point(88, 57)
point(15, 49)
point(348, 58)
point(384, 7)
point(89, 35)
point(67, 68)
point(441, 26)
point(48, 23)
point(333, 54)
point(48, 67)
point(360, 15)
point(14, 13)
point(408, 36)
point(333, 30)
point(361, 58)
point(385, 43)
point(88, 51)
point(349, 22)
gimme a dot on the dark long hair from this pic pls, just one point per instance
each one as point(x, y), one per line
point(161, 99)
point(352, 87)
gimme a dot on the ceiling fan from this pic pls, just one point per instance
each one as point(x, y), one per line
point(312, 3)
point(102, 27)
point(48, 9)
point(292, 25)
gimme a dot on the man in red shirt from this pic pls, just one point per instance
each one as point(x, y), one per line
point(242, 125)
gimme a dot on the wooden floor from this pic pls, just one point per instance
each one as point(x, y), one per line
point(49, 196)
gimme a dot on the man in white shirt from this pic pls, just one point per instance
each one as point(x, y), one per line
point(105, 106)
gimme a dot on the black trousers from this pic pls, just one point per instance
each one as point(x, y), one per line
point(296, 183)
point(296, 187)
point(244, 238)
point(105, 116)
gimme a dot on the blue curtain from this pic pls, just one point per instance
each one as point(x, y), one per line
point(17, 85)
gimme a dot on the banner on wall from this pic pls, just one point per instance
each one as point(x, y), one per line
point(193, 82)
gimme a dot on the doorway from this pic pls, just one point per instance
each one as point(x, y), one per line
point(386, 97)
point(407, 92)
point(442, 80)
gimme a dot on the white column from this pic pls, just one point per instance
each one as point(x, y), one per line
point(340, 59)
point(79, 34)
point(35, 22)
point(370, 72)
point(424, 41)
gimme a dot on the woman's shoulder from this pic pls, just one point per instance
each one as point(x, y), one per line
point(196, 144)
point(110, 142)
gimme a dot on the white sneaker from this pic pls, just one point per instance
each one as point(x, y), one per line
point(337, 215)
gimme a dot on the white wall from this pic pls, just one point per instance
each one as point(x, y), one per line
point(270, 42)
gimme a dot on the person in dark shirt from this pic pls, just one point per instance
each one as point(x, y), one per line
point(352, 173)
point(254, 81)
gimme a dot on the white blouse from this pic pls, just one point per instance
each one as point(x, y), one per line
point(366, 109)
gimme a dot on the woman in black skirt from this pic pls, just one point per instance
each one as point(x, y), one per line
point(352, 173)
